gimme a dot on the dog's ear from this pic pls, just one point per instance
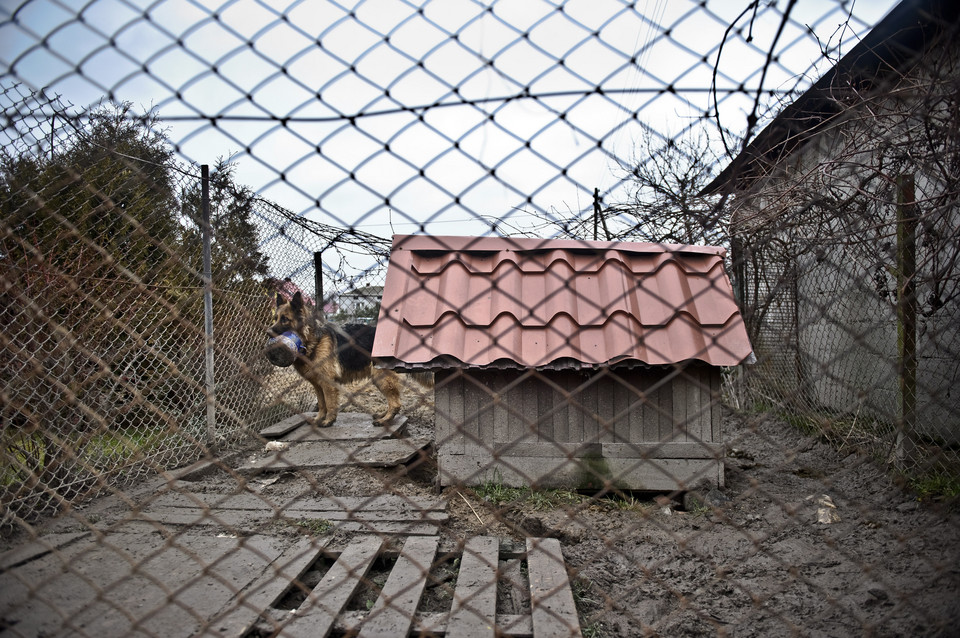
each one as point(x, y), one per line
point(280, 300)
point(297, 302)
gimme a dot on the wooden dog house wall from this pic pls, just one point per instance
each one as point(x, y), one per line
point(637, 428)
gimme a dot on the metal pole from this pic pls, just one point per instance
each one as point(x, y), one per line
point(207, 233)
point(318, 282)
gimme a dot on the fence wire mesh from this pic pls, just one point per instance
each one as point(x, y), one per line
point(664, 298)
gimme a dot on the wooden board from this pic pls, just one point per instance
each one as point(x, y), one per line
point(289, 424)
point(551, 600)
point(474, 610)
point(384, 513)
point(396, 607)
point(250, 501)
point(639, 451)
point(134, 584)
point(317, 613)
point(579, 473)
point(435, 624)
point(245, 520)
point(310, 455)
point(350, 426)
point(37, 549)
point(239, 616)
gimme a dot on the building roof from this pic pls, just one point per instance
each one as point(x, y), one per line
point(890, 48)
point(551, 303)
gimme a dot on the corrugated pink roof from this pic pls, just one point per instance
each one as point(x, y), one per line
point(552, 303)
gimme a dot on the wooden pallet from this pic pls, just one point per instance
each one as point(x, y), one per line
point(473, 609)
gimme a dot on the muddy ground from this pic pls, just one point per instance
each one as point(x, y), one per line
point(802, 540)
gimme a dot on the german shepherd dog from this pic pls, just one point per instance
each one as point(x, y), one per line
point(334, 355)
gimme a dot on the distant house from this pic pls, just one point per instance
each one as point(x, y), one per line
point(363, 301)
point(844, 222)
point(566, 363)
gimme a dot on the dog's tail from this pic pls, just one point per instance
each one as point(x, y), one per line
point(423, 378)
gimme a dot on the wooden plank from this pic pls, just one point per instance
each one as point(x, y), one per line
point(318, 454)
point(694, 429)
point(317, 613)
point(644, 418)
point(474, 610)
point(435, 624)
point(181, 582)
point(247, 519)
point(477, 424)
point(551, 600)
point(38, 548)
point(545, 405)
point(684, 406)
point(716, 435)
point(250, 501)
point(561, 415)
point(703, 409)
point(289, 424)
point(576, 408)
point(450, 410)
point(665, 451)
point(525, 423)
point(590, 401)
point(186, 516)
point(606, 387)
point(667, 417)
point(367, 517)
point(494, 397)
point(680, 450)
point(350, 426)
point(547, 472)
point(391, 452)
point(394, 611)
point(239, 616)
point(621, 403)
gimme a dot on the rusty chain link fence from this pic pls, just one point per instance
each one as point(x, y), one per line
point(665, 299)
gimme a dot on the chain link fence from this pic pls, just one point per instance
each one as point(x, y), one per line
point(479, 182)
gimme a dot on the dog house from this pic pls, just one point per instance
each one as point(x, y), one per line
point(565, 363)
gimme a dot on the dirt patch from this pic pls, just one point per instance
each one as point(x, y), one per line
point(757, 558)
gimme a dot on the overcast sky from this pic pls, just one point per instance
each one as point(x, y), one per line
point(399, 116)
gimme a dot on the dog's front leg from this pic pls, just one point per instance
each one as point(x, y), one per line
point(321, 402)
point(331, 396)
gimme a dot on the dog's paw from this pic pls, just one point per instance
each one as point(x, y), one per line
point(322, 421)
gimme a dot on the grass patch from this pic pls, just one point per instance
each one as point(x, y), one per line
point(589, 609)
point(312, 526)
point(938, 485)
point(626, 501)
point(497, 494)
point(107, 450)
point(24, 455)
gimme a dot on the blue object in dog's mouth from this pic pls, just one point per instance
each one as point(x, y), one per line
point(282, 350)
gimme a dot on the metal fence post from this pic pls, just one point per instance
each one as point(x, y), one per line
point(318, 282)
point(207, 232)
